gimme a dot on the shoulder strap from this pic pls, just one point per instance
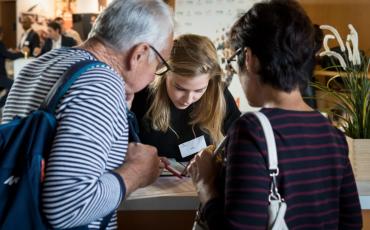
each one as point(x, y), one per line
point(64, 82)
point(270, 140)
point(272, 155)
point(60, 88)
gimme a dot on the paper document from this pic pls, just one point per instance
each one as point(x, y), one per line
point(166, 186)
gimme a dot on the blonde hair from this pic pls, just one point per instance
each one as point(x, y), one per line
point(191, 56)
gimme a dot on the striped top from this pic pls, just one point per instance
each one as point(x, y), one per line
point(91, 137)
point(315, 179)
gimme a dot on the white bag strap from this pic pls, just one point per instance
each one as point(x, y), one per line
point(272, 154)
point(270, 141)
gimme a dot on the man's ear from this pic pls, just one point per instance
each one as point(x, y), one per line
point(137, 55)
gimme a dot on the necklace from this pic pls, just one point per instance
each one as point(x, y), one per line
point(178, 136)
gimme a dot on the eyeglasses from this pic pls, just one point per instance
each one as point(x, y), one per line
point(230, 62)
point(164, 67)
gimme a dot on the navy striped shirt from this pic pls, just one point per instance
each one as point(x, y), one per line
point(91, 137)
point(315, 179)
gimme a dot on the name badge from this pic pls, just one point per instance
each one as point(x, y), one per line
point(193, 146)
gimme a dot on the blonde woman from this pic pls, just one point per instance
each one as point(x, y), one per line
point(188, 107)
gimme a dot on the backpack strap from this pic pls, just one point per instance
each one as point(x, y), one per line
point(64, 83)
point(57, 92)
point(133, 127)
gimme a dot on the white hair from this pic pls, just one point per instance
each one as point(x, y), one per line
point(125, 23)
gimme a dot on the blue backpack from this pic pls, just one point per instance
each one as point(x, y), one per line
point(24, 144)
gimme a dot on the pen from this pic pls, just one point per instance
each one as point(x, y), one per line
point(172, 170)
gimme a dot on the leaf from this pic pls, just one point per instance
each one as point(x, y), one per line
point(352, 99)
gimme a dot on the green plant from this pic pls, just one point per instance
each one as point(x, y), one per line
point(352, 97)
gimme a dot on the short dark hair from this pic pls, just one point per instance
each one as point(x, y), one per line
point(281, 35)
point(319, 37)
point(55, 26)
point(58, 19)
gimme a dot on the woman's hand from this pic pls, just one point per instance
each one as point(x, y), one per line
point(203, 170)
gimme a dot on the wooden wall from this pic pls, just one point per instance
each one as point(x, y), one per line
point(7, 21)
point(339, 13)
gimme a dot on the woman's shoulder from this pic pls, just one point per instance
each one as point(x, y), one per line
point(293, 115)
point(281, 117)
point(247, 123)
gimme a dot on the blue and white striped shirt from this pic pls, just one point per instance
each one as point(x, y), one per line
point(91, 137)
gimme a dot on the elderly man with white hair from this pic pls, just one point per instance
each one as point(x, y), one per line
point(92, 166)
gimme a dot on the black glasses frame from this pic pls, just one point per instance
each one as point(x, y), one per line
point(231, 58)
point(166, 67)
point(229, 66)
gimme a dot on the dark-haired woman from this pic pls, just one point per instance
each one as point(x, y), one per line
point(274, 42)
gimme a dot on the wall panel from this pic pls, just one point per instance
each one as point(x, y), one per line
point(339, 13)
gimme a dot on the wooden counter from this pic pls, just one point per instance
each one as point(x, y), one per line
point(173, 207)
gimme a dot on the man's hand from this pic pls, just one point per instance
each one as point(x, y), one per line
point(141, 168)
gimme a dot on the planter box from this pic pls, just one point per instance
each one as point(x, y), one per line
point(359, 155)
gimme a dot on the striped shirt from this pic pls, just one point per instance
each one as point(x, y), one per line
point(315, 179)
point(91, 137)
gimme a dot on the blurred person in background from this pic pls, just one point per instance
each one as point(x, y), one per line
point(5, 82)
point(68, 32)
point(29, 38)
point(55, 39)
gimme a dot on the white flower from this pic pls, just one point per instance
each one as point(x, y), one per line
point(336, 34)
point(354, 40)
point(337, 56)
point(354, 55)
point(349, 49)
point(326, 41)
